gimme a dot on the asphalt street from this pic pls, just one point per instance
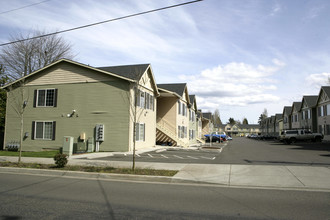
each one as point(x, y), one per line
point(240, 150)
point(55, 197)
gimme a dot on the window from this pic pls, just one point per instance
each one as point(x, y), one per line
point(327, 130)
point(179, 131)
point(328, 109)
point(147, 106)
point(44, 130)
point(140, 132)
point(145, 100)
point(322, 110)
point(179, 107)
point(184, 109)
point(151, 102)
point(142, 99)
point(45, 98)
point(320, 129)
point(191, 115)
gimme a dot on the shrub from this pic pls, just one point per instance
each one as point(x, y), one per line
point(61, 160)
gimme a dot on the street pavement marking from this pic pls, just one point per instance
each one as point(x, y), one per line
point(164, 156)
point(150, 156)
point(208, 158)
point(161, 150)
point(193, 157)
point(177, 156)
point(138, 155)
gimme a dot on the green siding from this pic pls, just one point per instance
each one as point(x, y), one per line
point(95, 103)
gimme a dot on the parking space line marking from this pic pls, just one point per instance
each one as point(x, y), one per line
point(213, 158)
point(208, 158)
point(138, 155)
point(177, 156)
point(161, 150)
point(164, 156)
point(193, 157)
point(150, 155)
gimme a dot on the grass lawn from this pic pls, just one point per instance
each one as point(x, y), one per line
point(92, 169)
point(45, 154)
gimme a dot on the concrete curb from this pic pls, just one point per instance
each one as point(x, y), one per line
point(92, 175)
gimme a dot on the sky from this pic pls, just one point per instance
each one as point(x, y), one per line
point(237, 56)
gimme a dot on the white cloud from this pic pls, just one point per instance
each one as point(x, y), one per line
point(234, 84)
point(275, 9)
point(317, 80)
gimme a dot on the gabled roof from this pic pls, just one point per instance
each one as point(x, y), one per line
point(71, 62)
point(133, 72)
point(287, 110)
point(177, 88)
point(296, 105)
point(272, 119)
point(247, 126)
point(207, 115)
point(326, 90)
point(311, 100)
point(278, 116)
point(192, 100)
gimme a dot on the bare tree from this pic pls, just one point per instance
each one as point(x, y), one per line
point(3, 98)
point(24, 57)
point(19, 100)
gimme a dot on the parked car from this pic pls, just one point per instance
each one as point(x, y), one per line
point(292, 136)
point(216, 137)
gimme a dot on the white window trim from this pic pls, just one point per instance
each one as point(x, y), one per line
point(45, 106)
point(138, 132)
point(43, 130)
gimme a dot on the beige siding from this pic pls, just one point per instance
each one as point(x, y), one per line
point(63, 73)
point(144, 116)
point(167, 110)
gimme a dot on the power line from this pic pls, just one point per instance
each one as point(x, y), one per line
point(26, 6)
point(102, 22)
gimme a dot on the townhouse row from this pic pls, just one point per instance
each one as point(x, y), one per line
point(312, 113)
point(105, 108)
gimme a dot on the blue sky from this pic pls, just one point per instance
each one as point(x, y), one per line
point(238, 56)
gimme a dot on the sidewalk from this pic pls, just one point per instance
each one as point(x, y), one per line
point(254, 176)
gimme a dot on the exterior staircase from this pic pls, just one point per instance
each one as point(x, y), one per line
point(165, 132)
point(200, 140)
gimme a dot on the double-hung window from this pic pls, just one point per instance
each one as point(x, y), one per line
point(140, 132)
point(44, 130)
point(45, 97)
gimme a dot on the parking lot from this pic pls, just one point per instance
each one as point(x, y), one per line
point(203, 154)
point(240, 150)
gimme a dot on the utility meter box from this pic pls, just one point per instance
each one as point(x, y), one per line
point(99, 132)
point(90, 145)
point(67, 145)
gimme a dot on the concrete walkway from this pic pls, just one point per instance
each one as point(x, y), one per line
point(254, 176)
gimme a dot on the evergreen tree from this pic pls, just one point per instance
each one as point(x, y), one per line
point(245, 121)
